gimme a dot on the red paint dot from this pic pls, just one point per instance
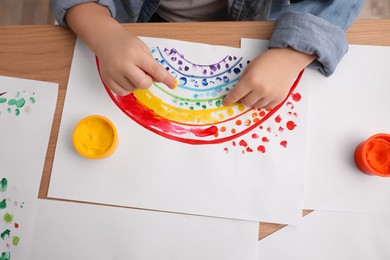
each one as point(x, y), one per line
point(243, 143)
point(261, 148)
point(16, 225)
point(234, 143)
point(289, 104)
point(296, 97)
point(269, 129)
point(283, 143)
point(261, 127)
point(278, 119)
point(290, 125)
point(281, 129)
point(249, 150)
point(226, 150)
point(265, 139)
point(238, 122)
point(247, 122)
point(262, 113)
point(255, 136)
point(233, 131)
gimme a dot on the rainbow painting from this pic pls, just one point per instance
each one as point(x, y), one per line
point(193, 112)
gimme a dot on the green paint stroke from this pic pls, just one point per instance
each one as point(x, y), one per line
point(15, 240)
point(5, 256)
point(32, 100)
point(3, 204)
point(3, 184)
point(17, 102)
point(5, 233)
point(8, 217)
point(3, 100)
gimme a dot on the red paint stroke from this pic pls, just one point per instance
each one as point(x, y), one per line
point(171, 130)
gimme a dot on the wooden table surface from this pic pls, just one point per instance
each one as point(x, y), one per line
point(44, 52)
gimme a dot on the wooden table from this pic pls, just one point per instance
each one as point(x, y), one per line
point(45, 53)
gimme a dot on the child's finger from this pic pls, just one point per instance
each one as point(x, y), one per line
point(236, 94)
point(117, 89)
point(157, 72)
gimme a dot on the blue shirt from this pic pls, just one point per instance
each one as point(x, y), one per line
point(309, 26)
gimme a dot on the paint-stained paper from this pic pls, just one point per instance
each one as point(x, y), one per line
point(26, 115)
point(181, 150)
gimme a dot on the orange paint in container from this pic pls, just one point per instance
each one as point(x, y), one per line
point(373, 155)
point(95, 137)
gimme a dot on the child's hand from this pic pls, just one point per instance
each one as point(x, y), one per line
point(267, 80)
point(127, 64)
point(125, 61)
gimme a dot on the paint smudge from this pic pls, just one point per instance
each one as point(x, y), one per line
point(5, 256)
point(20, 102)
point(3, 204)
point(3, 184)
point(9, 235)
point(8, 218)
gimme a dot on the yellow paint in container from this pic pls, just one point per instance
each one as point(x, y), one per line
point(95, 137)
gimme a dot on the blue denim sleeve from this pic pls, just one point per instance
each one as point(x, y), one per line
point(61, 6)
point(317, 27)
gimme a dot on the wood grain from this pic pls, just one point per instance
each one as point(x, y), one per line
point(45, 53)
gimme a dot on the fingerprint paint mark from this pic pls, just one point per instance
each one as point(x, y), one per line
point(290, 125)
point(8, 218)
point(3, 204)
point(15, 240)
point(5, 233)
point(3, 184)
point(5, 256)
point(283, 143)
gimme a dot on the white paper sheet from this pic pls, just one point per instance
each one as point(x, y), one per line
point(344, 110)
point(150, 171)
point(330, 235)
point(26, 115)
point(66, 230)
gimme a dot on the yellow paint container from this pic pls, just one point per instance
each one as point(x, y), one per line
point(95, 137)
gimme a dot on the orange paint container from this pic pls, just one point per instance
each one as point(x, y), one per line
point(95, 137)
point(373, 155)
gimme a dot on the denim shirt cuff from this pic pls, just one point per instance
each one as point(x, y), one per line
point(310, 34)
point(62, 6)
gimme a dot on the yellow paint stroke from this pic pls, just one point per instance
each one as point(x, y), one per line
point(172, 113)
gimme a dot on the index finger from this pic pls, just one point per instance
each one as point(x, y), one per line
point(157, 72)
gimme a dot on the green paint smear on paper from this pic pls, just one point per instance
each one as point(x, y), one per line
point(3, 204)
point(5, 233)
point(3, 184)
point(3, 100)
point(32, 100)
point(5, 256)
point(8, 218)
point(17, 102)
point(15, 240)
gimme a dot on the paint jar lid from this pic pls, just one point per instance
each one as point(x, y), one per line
point(373, 155)
point(95, 137)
